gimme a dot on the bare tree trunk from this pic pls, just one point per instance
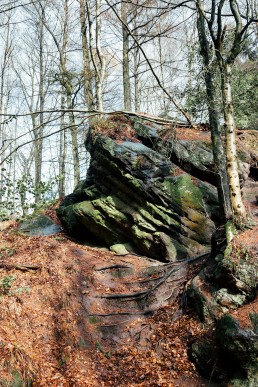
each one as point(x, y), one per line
point(136, 79)
point(231, 150)
point(126, 63)
point(99, 61)
point(148, 62)
point(161, 62)
point(2, 140)
point(225, 56)
point(214, 118)
point(62, 153)
point(38, 133)
point(73, 129)
point(4, 91)
point(65, 79)
point(87, 73)
point(218, 149)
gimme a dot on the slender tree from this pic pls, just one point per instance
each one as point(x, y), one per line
point(214, 119)
point(87, 71)
point(126, 63)
point(96, 53)
point(62, 151)
point(5, 64)
point(213, 28)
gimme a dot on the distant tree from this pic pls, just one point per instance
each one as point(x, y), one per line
point(88, 73)
point(97, 55)
point(67, 80)
point(37, 67)
point(5, 90)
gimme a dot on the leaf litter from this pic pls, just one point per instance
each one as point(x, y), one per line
point(52, 331)
point(57, 331)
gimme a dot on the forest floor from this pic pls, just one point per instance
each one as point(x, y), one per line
point(58, 329)
point(52, 328)
point(75, 315)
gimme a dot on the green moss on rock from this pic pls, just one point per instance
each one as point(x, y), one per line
point(126, 198)
point(184, 192)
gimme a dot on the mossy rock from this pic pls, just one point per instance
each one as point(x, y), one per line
point(228, 353)
point(238, 270)
point(240, 343)
point(205, 355)
point(203, 301)
point(119, 249)
point(184, 192)
point(40, 225)
point(229, 300)
point(127, 196)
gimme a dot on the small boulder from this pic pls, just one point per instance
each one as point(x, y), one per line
point(119, 249)
point(41, 225)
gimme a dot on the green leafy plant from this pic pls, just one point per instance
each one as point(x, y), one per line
point(18, 198)
point(6, 286)
point(6, 283)
point(6, 252)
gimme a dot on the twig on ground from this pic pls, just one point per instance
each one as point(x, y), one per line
point(22, 267)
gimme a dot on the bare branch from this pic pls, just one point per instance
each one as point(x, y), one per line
point(10, 8)
point(236, 13)
point(171, 98)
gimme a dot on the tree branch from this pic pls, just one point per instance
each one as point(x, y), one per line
point(171, 98)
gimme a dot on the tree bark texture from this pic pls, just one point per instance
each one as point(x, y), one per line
point(62, 153)
point(231, 150)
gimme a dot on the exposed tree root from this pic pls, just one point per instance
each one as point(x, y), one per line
point(142, 294)
point(117, 266)
point(146, 312)
point(120, 295)
point(192, 259)
point(143, 281)
point(171, 294)
point(115, 324)
point(136, 255)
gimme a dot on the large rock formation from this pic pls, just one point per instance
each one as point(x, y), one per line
point(147, 187)
point(135, 194)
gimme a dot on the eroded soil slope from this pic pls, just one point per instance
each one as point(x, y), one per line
point(73, 315)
